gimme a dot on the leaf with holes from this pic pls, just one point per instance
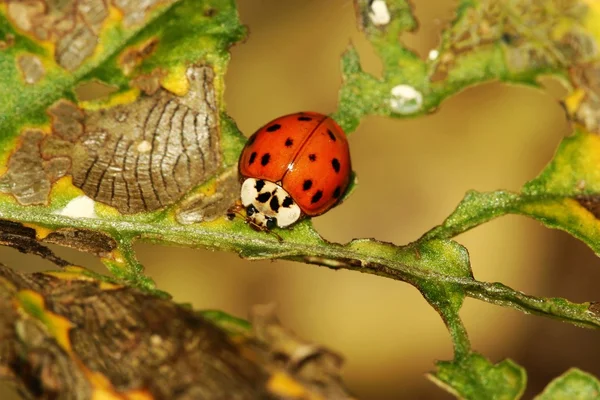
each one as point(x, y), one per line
point(486, 41)
point(157, 134)
point(566, 196)
point(157, 131)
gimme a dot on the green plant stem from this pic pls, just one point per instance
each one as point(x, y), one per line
point(319, 252)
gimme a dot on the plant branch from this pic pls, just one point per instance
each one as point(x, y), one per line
point(406, 263)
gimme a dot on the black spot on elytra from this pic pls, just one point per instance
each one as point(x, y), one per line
point(289, 142)
point(307, 185)
point(303, 118)
point(316, 197)
point(263, 197)
point(264, 160)
point(335, 163)
point(331, 135)
point(312, 157)
point(337, 192)
point(252, 158)
point(274, 203)
point(251, 140)
point(259, 185)
point(273, 128)
point(287, 202)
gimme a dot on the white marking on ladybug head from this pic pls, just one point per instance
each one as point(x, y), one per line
point(268, 203)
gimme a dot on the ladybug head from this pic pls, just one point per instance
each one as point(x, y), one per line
point(268, 204)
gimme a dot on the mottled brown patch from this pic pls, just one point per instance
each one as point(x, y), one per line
point(133, 56)
point(531, 34)
point(587, 78)
point(75, 46)
point(578, 46)
point(39, 159)
point(74, 25)
point(26, 178)
point(31, 68)
point(148, 83)
point(146, 155)
point(135, 11)
point(56, 168)
point(590, 203)
point(67, 120)
point(53, 146)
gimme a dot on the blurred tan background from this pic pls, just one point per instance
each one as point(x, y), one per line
point(490, 137)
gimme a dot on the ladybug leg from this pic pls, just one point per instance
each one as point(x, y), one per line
point(271, 223)
point(234, 210)
point(277, 236)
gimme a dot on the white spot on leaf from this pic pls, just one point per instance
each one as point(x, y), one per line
point(79, 207)
point(433, 54)
point(405, 99)
point(379, 13)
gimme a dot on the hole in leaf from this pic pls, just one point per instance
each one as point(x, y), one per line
point(94, 90)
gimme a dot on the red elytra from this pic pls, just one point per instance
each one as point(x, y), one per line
point(306, 154)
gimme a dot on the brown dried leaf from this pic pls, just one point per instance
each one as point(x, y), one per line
point(86, 240)
point(24, 239)
point(64, 333)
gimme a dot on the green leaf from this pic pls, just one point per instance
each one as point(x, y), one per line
point(572, 385)
point(184, 33)
point(566, 196)
point(126, 46)
point(474, 377)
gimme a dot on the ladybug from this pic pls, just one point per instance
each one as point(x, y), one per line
point(295, 166)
